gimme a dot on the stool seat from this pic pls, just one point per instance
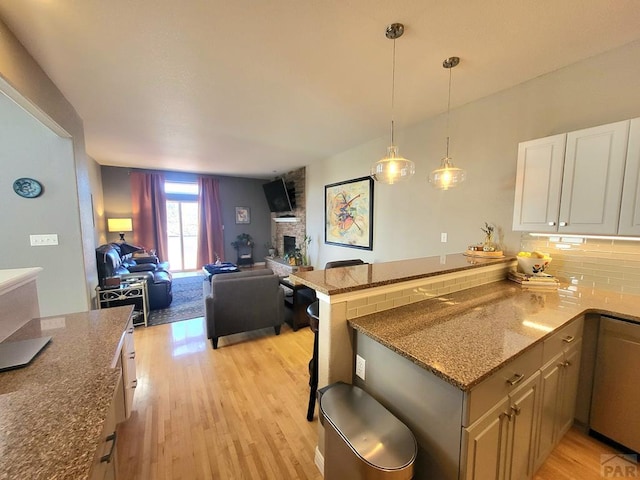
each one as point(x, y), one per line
point(313, 311)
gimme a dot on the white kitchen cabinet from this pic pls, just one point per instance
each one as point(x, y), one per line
point(558, 388)
point(128, 355)
point(568, 388)
point(105, 462)
point(538, 184)
point(630, 206)
point(592, 179)
point(499, 445)
point(589, 188)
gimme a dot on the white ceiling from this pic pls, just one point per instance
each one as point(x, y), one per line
point(258, 87)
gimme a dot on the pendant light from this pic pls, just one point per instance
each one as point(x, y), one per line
point(393, 168)
point(447, 176)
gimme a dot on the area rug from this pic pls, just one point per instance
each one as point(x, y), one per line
point(187, 302)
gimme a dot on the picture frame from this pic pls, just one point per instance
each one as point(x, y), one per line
point(348, 213)
point(243, 215)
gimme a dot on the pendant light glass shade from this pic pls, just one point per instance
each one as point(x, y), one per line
point(393, 168)
point(447, 176)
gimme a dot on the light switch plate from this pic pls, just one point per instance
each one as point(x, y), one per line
point(43, 240)
point(360, 366)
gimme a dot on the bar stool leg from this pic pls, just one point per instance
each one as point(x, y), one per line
point(313, 382)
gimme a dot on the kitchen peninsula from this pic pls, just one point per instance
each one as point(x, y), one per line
point(57, 413)
point(455, 351)
point(18, 298)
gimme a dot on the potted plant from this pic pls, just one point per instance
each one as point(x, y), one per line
point(304, 254)
point(271, 249)
point(242, 240)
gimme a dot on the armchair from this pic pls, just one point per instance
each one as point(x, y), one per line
point(241, 302)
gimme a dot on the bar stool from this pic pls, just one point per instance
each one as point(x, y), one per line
point(313, 312)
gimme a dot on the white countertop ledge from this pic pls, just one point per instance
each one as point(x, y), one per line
point(11, 279)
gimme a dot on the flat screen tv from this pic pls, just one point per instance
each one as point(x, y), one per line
point(279, 197)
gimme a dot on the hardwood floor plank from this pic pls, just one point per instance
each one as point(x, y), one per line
point(239, 412)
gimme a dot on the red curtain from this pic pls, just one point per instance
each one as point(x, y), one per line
point(210, 235)
point(149, 204)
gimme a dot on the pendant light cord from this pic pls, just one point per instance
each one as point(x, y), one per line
point(393, 87)
point(448, 110)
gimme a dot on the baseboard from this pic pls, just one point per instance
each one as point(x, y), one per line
point(319, 461)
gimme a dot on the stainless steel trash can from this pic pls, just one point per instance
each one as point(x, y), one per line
point(363, 440)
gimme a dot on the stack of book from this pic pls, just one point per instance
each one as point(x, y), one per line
point(540, 281)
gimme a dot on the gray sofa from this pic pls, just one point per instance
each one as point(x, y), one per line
point(241, 302)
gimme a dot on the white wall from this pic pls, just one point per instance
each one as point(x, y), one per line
point(408, 218)
point(24, 81)
point(29, 149)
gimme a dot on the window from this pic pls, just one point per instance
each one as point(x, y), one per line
point(182, 224)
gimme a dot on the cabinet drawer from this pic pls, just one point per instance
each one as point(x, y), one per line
point(560, 340)
point(485, 395)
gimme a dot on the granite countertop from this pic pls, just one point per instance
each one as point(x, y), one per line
point(360, 277)
point(465, 336)
point(52, 411)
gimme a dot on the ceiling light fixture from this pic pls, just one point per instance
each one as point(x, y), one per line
point(393, 168)
point(447, 176)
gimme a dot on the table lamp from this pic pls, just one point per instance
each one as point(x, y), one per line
point(120, 225)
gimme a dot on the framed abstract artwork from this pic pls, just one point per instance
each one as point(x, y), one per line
point(243, 215)
point(348, 213)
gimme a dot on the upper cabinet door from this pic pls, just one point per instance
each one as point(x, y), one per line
point(538, 184)
point(630, 207)
point(592, 179)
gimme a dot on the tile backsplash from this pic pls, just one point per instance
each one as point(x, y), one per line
point(606, 264)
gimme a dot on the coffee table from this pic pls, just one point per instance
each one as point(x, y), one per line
point(301, 297)
point(212, 269)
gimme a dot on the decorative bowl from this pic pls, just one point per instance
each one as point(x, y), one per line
point(533, 265)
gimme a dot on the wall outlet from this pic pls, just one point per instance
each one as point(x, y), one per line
point(443, 237)
point(53, 323)
point(360, 363)
point(43, 240)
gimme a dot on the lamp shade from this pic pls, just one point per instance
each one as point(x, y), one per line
point(447, 176)
point(119, 225)
point(393, 168)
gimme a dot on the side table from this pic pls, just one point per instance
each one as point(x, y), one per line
point(129, 292)
point(301, 297)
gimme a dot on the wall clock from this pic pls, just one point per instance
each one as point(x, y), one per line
point(27, 187)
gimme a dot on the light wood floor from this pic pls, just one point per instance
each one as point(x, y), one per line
point(239, 412)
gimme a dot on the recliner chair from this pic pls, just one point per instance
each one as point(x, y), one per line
point(111, 262)
point(243, 301)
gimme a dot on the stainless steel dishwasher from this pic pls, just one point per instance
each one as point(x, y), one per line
point(616, 390)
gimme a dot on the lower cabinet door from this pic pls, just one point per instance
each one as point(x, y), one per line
point(569, 390)
point(522, 427)
point(105, 461)
point(549, 391)
point(485, 444)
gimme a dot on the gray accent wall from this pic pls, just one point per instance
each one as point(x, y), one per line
point(234, 192)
